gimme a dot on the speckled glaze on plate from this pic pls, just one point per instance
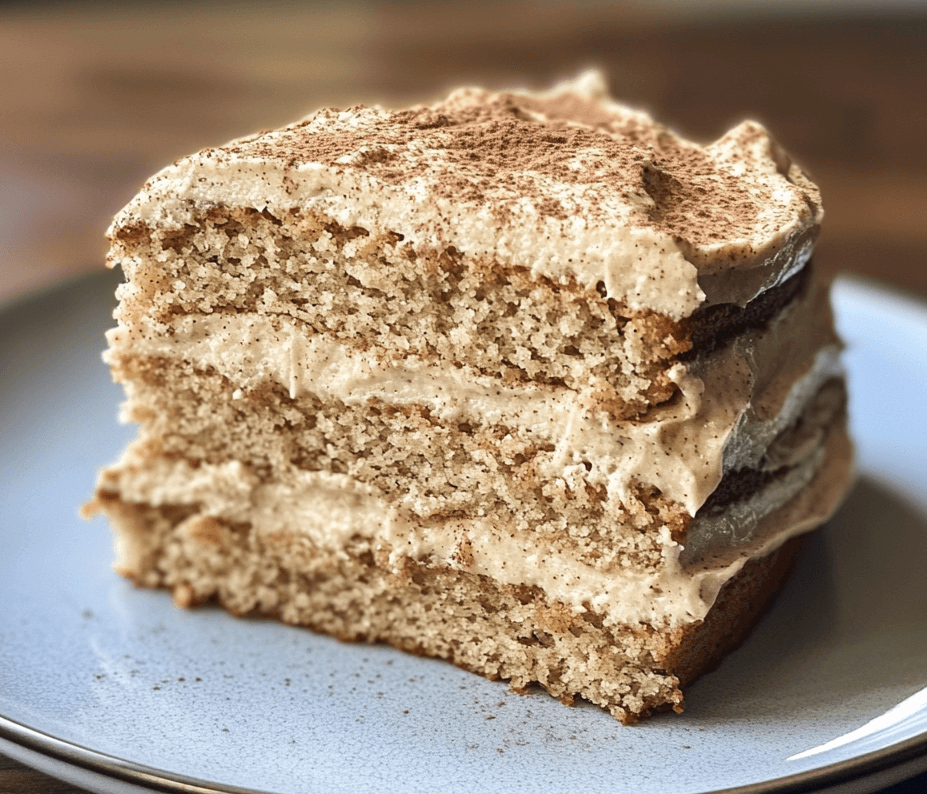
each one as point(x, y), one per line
point(116, 690)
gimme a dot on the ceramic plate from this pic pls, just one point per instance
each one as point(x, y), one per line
point(115, 689)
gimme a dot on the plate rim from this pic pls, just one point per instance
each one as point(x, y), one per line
point(908, 757)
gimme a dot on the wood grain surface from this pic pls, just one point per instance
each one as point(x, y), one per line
point(95, 98)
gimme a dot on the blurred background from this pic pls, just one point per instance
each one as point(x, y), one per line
point(95, 97)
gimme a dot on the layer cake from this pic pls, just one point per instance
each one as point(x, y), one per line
point(525, 381)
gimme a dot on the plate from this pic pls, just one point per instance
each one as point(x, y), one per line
point(115, 689)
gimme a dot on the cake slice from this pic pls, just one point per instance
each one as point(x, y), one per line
point(524, 381)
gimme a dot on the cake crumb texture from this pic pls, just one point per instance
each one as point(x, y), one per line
point(523, 381)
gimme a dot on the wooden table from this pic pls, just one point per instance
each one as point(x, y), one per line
point(96, 99)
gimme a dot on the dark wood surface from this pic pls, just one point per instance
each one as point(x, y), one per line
point(95, 98)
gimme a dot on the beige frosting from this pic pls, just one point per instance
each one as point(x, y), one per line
point(567, 183)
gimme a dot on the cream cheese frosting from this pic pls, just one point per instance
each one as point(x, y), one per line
point(607, 197)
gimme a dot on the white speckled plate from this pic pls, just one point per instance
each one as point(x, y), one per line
point(115, 689)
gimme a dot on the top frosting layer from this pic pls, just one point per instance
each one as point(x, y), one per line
point(567, 183)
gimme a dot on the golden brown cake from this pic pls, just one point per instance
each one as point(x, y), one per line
point(525, 381)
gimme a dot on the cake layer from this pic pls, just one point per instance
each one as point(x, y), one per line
point(513, 632)
point(367, 292)
point(603, 195)
point(529, 330)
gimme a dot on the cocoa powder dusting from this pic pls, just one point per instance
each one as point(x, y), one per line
point(499, 150)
